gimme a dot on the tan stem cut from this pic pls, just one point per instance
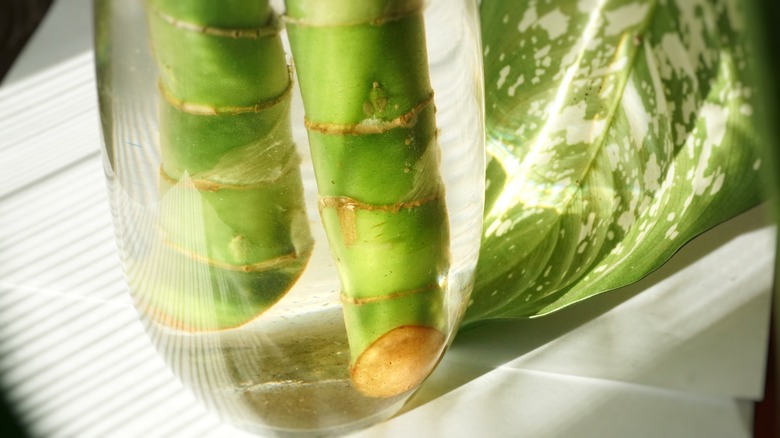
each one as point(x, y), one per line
point(398, 361)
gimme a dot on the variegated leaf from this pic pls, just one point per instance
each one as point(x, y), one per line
point(617, 131)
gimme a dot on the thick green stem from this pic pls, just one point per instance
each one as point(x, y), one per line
point(363, 72)
point(226, 142)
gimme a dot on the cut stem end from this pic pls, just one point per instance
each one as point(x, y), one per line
point(398, 361)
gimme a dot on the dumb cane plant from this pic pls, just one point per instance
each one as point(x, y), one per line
point(617, 130)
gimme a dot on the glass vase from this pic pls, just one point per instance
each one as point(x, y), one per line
point(297, 193)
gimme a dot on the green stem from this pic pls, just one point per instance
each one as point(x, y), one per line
point(363, 73)
point(226, 143)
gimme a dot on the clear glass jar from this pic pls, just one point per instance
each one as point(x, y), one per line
point(300, 251)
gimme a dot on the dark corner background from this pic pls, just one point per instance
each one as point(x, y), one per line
point(763, 17)
point(18, 20)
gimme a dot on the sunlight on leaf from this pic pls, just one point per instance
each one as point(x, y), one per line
point(617, 131)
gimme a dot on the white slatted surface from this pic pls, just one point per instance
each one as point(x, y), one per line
point(73, 356)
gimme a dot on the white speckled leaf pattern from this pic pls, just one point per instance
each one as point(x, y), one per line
point(617, 131)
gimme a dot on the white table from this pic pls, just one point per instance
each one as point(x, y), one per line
point(679, 354)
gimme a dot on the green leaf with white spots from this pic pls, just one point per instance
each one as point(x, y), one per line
point(617, 131)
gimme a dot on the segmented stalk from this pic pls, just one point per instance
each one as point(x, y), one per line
point(226, 142)
point(363, 72)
